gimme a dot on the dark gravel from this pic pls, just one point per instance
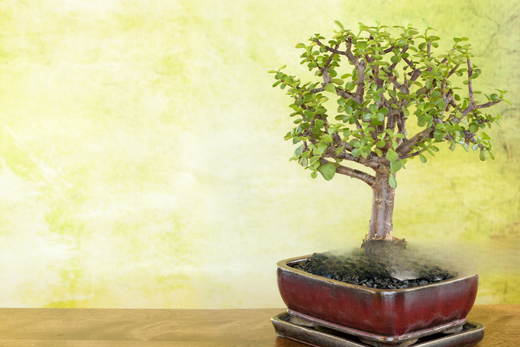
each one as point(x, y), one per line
point(368, 271)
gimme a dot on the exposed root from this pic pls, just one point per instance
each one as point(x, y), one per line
point(388, 237)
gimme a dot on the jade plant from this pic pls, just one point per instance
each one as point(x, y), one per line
point(380, 82)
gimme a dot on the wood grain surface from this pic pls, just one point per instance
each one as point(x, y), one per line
point(189, 328)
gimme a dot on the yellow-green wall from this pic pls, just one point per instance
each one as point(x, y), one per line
point(142, 161)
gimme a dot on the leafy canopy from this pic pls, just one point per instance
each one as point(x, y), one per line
point(382, 81)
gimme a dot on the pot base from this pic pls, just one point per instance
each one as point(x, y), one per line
point(297, 327)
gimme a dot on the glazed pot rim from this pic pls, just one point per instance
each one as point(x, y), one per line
point(284, 266)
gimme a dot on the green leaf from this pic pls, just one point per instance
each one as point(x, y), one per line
point(494, 97)
point(298, 151)
point(339, 24)
point(314, 174)
point(300, 45)
point(485, 136)
point(337, 81)
point(423, 158)
point(308, 114)
point(350, 86)
point(473, 127)
point(395, 166)
point(439, 135)
point(435, 94)
point(392, 182)
point(395, 59)
point(482, 155)
point(330, 88)
point(320, 148)
point(327, 171)
point(314, 159)
point(282, 67)
point(392, 155)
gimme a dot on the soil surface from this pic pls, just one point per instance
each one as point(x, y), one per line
point(371, 271)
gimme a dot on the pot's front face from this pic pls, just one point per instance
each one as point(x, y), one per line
point(379, 311)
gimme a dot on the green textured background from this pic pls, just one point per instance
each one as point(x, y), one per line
point(142, 161)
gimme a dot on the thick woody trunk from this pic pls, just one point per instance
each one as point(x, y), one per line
point(382, 207)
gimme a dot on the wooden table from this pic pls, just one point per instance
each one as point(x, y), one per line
point(194, 328)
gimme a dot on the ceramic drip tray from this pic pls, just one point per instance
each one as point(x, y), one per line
point(471, 334)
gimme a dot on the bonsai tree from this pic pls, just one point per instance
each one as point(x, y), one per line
point(380, 82)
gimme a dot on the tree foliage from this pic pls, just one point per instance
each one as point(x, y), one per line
point(384, 81)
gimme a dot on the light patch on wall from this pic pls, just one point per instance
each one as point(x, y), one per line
point(90, 7)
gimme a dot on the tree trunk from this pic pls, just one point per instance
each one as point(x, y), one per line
point(382, 207)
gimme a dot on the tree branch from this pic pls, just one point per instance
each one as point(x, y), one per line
point(339, 92)
point(470, 85)
point(330, 49)
point(349, 54)
point(353, 173)
point(414, 154)
point(488, 104)
point(344, 93)
point(415, 75)
point(390, 123)
point(406, 147)
point(399, 86)
point(372, 161)
point(389, 49)
point(401, 127)
point(332, 56)
point(452, 71)
point(361, 81)
point(472, 107)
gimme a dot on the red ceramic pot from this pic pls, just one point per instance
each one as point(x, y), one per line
point(385, 315)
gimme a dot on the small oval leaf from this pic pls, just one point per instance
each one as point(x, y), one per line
point(327, 171)
point(392, 182)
